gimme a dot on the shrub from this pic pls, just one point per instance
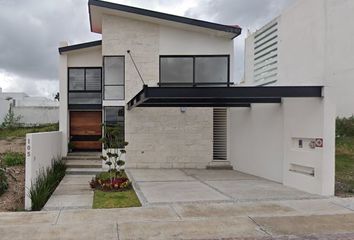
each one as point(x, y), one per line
point(11, 120)
point(13, 158)
point(3, 181)
point(111, 184)
point(345, 127)
point(46, 183)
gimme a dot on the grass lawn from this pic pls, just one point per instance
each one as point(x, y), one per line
point(115, 199)
point(22, 131)
point(345, 166)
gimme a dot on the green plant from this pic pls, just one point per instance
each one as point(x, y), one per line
point(22, 131)
point(345, 127)
point(114, 144)
point(13, 158)
point(70, 146)
point(11, 120)
point(47, 180)
point(3, 181)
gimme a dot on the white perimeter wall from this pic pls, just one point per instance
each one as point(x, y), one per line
point(41, 150)
point(4, 109)
point(264, 142)
point(37, 115)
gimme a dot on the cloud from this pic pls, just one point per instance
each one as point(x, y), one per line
point(249, 14)
point(32, 29)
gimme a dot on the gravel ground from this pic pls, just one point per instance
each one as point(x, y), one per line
point(13, 198)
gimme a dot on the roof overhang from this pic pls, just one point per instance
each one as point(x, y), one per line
point(80, 46)
point(98, 8)
point(219, 96)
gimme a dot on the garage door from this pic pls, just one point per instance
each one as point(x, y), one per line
point(86, 130)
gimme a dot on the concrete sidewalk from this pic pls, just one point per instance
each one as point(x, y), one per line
point(73, 192)
point(306, 219)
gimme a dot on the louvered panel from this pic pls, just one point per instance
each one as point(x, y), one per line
point(266, 40)
point(266, 31)
point(266, 75)
point(266, 45)
point(266, 59)
point(266, 54)
point(220, 134)
point(266, 68)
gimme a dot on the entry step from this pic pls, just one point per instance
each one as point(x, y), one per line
point(222, 165)
point(83, 163)
point(84, 171)
point(77, 157)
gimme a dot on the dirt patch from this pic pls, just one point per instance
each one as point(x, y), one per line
point(13, 144)
point(13, 198)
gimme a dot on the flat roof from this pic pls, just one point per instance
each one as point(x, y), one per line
point(219, 96)
point(233, 30)
point(79, 46)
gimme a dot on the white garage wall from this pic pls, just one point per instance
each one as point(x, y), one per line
point(264, 142)
point(256, 140)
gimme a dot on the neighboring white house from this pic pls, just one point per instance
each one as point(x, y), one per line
point(168, 80)
point(309, 43)
point(33, 110)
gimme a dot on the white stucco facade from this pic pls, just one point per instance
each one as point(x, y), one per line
point(313, 49)
point(158, 137)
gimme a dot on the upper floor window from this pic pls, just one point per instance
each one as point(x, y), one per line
point(85, 86)
point(194, 70)
point(113, 77)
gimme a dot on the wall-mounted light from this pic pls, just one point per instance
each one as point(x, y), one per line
point(183, 109)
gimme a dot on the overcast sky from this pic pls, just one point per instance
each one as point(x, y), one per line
point(30, 31)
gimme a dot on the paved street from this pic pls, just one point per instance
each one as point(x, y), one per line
point(309, 219)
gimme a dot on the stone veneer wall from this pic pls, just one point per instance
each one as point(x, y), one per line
point(158, 137)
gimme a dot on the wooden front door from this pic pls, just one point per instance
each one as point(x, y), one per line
point(86, 130)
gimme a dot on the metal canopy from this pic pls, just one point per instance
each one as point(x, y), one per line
point(218, 96)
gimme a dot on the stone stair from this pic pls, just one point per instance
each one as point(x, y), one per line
point(83, 163)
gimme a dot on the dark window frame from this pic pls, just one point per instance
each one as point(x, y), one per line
point(112, 85)
point(194, 83)
point(100, 68)
point(110, 123)
point(84, 106)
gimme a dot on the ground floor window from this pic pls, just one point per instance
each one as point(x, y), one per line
point(114, 117)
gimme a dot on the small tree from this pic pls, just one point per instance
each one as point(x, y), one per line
point(57, 97)
point(11, 120)
point(114, 144)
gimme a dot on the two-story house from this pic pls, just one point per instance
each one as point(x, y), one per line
point(168, 81)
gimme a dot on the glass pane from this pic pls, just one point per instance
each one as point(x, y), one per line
point(114, 115)
point(211, 69)
point(176, 70)
point(93, 79)
point(77, 79)
point(114, 92)
point(85, 98)
point(114, 70)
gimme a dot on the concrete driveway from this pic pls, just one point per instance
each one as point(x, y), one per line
point(168, 186)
